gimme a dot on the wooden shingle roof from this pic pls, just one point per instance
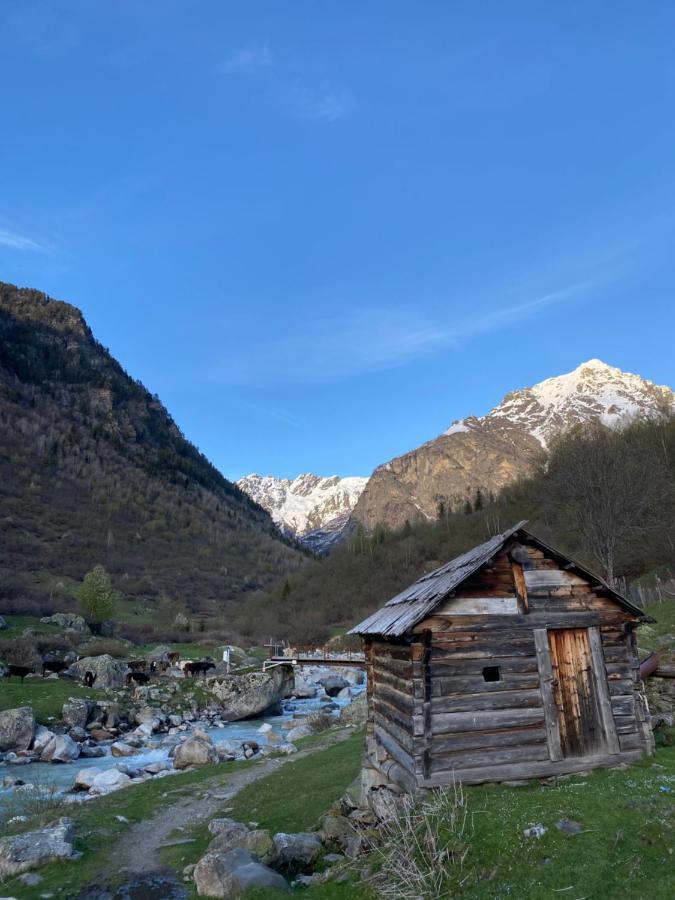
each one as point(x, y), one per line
point(406, 609)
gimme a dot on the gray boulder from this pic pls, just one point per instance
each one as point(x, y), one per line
point(37, 848)
point(109, 780)
point(60, 749)
point(333, 684)
point(297, 849)
point(303, 688)
point(17, 728)
point(299, 731)
point(197, 750)
point(227, 875)
point(76, 711)
point(68, 621)
point(110, 673)
point(244, 696)
point(42, 737)
point(231, 835)
point(120, 748)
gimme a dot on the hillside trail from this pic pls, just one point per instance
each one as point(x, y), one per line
point(137, 852)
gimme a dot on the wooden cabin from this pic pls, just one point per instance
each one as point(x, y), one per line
point(509, 662)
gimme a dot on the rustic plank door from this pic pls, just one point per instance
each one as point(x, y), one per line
point(574, 691)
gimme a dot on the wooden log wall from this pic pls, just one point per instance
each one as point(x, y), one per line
point(472, 723)
point(394, 685)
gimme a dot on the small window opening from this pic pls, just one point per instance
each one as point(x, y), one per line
point(491, 673)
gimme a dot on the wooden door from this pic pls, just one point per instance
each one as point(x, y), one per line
point(574, 692)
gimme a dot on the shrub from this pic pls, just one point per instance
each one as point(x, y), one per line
point(320, 720)
point(21, 651)
point(103, 647)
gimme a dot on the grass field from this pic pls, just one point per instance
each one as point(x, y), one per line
point(46, 696)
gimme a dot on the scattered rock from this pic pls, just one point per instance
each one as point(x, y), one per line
point(110, 673)
point(197, 750)
point(109, 780)
point(537, 831)
point(67, 621)
point(42, 737)
point(120, 748)
point(226, 875)
point(37, 848)
point(60, 749)
point(297, 849)
point(333, 684)
point(300, 731)
point(76, 712)
point(17, 728)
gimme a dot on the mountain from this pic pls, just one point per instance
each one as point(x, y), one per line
point(93, 469)
point(484, 454)
point(312, 508)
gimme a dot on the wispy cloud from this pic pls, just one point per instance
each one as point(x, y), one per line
point(323, 103)
point(247, 60)
point(18, 241)
point(370, 340)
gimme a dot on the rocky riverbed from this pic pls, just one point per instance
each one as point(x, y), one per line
point(98, 748)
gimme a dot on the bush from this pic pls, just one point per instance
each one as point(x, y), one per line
point(21, 652)
point(103, 647)
point(320, 721)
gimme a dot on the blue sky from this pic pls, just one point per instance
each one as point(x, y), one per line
point(321, 231)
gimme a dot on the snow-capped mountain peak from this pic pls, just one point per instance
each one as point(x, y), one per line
point(593, 391)
point(308, 503)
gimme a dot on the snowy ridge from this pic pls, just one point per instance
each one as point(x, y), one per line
point(307, 504)
point(594, 391)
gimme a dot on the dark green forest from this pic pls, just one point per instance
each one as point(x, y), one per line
point(606, 498)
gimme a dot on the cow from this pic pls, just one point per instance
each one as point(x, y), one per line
point(89, 678)
point(53, 665)
point(137, 677)
point(137, 665)
point(174, 657)
point(21, 671)
point(193, 669)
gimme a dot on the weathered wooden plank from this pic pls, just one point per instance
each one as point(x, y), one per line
point(480, 606)
point(632, 741)
point(549, 618)
point(490, 700)
point(398, 667)
point(383, 651)
point(602, 691)
point(626, 724)
point(382, 676)
point(481, 720)
point(473, 759)
point(537, 578)
point(618, 654)
point(475, 684)
point(623, 705)
point(398, 699)
point(461, 668)
point(618, 686)
point(400, 735)
point(395, 750)
point(537, 769)
point(546, 681)
point(484, 740)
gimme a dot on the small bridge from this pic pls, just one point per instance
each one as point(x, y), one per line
point(353, 660)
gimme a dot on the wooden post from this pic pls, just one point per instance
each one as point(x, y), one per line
point(545, 681)
point(602, 690)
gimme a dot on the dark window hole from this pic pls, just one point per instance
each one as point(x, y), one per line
point(491, 673)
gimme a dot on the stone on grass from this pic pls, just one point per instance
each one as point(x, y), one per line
point(76, 712)
point(17, 727)
point(227, 875)
point(69, 621)
point(231, 835)
point(60, 749)
point(297, 849)
point(197, 750)
point(300, 731)
point(109, 780)
point(21, 852)
point(110, 673)
point(568, 826)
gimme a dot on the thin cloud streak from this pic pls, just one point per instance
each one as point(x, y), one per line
point(369, 341)
point(324, 103)
point(19, 241)
point(247, 60)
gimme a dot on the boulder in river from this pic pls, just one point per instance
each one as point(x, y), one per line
point(31, 849)
point(245, 696)
point(197, 750)
point(110, 673)
point(60, 749)
point(227, 875)
point(42, 737)
point(120, 748)
point(17, 728)
point(109, 780)
point(333, 684)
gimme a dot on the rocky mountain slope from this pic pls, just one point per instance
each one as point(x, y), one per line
point(310, 507)
point(483, 454)
point(94, 470)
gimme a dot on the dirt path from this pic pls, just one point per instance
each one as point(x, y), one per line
point(137, 851)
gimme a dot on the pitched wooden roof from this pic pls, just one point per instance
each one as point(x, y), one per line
point(406, 609)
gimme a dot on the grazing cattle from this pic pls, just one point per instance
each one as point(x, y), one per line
point(53, 665)
point(193, 669)
point(174, 657)
point(21, 671)
point(137, 677)
point(89, 678)
point(137, 665)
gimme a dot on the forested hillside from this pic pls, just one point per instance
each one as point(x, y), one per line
point(605, 497)
point(94, 470)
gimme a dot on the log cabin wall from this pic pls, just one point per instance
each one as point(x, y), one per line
point(479, 705)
